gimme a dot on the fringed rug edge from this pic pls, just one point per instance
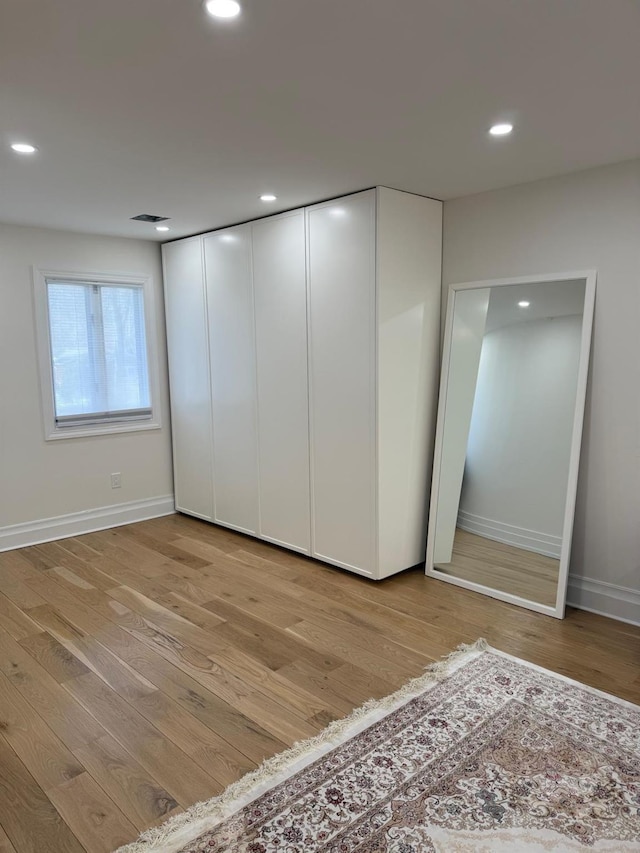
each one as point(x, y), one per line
point(172, 835)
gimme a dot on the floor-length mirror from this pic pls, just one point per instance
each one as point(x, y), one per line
point(510, 418)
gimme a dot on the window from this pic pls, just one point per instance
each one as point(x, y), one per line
point(94, 354)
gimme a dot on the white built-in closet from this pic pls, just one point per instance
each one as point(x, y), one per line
point(303, 356)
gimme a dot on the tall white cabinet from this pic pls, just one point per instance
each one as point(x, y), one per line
point(342, 380)
point(280, 299)
point(189, 377)
point(229, 297)
point(303, 353)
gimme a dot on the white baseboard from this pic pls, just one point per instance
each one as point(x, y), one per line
point(607, 599)
point(509, 534)
point(87, 521)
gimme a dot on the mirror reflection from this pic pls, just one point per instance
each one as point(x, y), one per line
point(507, 436)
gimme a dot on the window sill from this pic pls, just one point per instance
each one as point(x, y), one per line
point(100, 429)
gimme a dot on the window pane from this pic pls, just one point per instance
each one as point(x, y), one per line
point(98, 349)
point(74, 379)
point(127, 384)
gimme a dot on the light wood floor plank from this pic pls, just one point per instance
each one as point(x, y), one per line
point(97, 823)
point(287, 723)
point(194, 613)
point(27, 815)
point(142, 656)
point(362, 654)
point(245, 738)
point(75, 568)
point(53, 656)
point(173, 769)
point(95, 657)
point(147, 667)
point(44, 755)
point(127, 783)
point(209, 751)
point(37, 558)
point(267, 643)
point(13, 586)
point(5, 845)
point(110, 544)
point(70, 722)
point(14, 621)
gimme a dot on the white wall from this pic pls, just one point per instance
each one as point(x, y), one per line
point(41, 479)
point(517, 464)
point(585, 220)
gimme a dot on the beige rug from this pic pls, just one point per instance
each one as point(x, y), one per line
point(485, 752)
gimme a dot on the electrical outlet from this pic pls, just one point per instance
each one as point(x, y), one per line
point(116, 481)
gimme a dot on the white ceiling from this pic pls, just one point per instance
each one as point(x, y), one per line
point(546, 299)
point(149, 106)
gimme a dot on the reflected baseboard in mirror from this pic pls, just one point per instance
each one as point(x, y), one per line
point(510, 418)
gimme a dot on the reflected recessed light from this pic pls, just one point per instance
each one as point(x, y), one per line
point(223, 8)
point(227, 238)
point(268, 197)
point(24, 148)
point(524, 304)
point(338, 211)
point(501, 129)
point(162, 228)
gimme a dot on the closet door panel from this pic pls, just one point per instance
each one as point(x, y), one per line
point(281, 342)
point(233, 381)
point(341, 276)
point(189, 374)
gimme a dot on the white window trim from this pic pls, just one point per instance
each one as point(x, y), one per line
point(53, 431)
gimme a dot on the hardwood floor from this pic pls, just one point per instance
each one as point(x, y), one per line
point(147, 667)
point(503, 567)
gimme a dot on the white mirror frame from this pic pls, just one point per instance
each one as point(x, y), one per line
point(589, 276)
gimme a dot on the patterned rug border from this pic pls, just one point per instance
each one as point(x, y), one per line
point(175, 833)
point(565, 678)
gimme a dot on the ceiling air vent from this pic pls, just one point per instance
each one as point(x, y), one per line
point(149, 217)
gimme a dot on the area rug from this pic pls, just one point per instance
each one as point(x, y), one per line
point(485, 752)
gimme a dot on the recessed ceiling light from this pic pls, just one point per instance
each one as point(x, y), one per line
point(162, 228)
point(223, 8)
point(501, 129)
point(24, 148)
point(524, 304)
point(268, 197)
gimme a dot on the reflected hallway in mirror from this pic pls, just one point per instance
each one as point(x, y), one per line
point(510, 418)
